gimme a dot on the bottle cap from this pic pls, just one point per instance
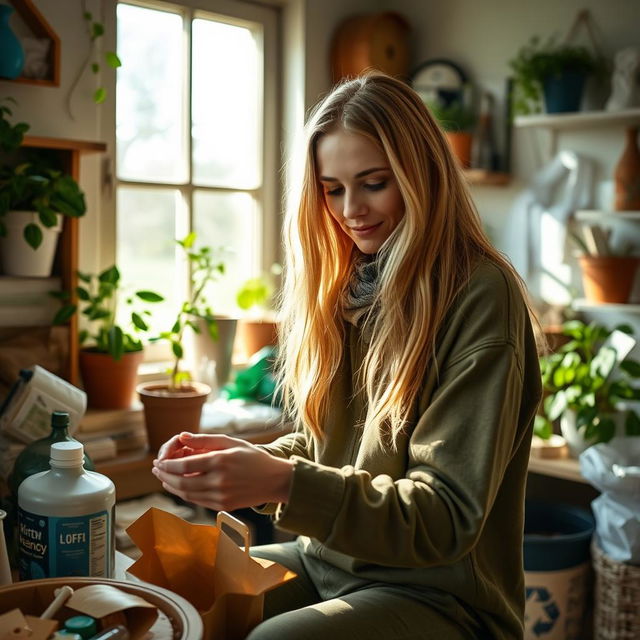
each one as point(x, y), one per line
point(60, 419)
point(84, 626)
point(67, 453)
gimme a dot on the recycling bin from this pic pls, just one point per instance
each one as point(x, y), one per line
point(557, 570)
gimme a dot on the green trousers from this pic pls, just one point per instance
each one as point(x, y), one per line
point(317, 606)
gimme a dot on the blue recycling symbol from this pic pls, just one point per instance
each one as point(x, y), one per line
point(542, 608)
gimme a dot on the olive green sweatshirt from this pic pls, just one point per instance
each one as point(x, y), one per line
point(443, 513)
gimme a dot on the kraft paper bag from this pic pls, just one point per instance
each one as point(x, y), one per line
point(204, 565)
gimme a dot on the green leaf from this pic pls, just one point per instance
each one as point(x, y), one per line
point(97, 30)
point(606, 430)
point(64, 314)
point(603, 362)
point(112, 59)
point(84, 277)
point(542, 428)
point(625, 328)
point(138, 322)
point(33, 235)
point(116, 342)
point(632, 424)
point(95, 67)
point(149, 296)
point(176, 347)
point(110, 275)
point(176, 326)
point(100, 95)
point(83, 294)
point(557, 406)
point(188, 240)
point(631, 367)
point(82, 336)
point(48, 217)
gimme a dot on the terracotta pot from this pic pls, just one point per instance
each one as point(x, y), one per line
point(608, 278)
point(169, 412)
point(252, 335)
point(460, 143)
point(626, 175)
point(109, 383)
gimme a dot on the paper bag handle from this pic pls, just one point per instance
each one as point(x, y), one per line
point(237, 525)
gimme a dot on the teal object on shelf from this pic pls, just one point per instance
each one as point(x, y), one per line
point(256, 382)
point(11, 51)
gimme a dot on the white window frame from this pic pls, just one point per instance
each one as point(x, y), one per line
point(268, 194)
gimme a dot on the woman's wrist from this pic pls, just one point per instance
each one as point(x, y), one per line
point(283, 477)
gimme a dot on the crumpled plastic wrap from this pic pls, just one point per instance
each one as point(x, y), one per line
point(614, 469)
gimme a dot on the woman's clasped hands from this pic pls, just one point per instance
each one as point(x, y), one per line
point(220, 472)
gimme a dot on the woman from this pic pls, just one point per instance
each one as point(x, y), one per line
point(409, 367)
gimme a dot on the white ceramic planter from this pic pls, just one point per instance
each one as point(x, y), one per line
point(17, 257)
point(575, 440)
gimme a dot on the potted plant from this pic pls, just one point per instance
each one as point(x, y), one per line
point(176, 404)
point(258, 328)
point(457, 119)
point(588, 385)
point(608, 273)
point(111, 351)
point(551, 72)
point(33, 198)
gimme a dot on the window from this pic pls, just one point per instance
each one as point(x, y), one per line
point(195, 145)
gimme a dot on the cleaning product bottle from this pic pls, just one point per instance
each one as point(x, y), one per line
point(65, 519)
point(35, 456)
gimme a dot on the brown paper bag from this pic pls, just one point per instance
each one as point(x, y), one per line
point(203, 564)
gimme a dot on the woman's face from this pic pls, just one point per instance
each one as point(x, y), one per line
point(359, 188)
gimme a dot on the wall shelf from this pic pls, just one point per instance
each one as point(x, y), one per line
point(582, 304)
point(488, 178)
point(564, 468)
point(580, 120)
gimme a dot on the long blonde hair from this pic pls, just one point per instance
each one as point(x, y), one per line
point(427, 260)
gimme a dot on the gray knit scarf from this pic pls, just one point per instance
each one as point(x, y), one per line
point(361, 290)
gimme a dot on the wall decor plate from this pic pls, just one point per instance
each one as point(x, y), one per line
point(439, 80)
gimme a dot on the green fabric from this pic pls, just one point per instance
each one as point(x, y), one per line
point(445, 511)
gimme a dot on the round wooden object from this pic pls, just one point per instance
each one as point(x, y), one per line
point(377, 41)
point(177, 618)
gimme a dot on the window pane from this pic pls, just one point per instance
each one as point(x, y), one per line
point(150, 112)
point(227, 114)
point(147, 248)
point(227, 220)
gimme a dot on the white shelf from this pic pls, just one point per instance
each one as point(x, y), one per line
point(596, 215)
point(582, 304)
point(580, 119)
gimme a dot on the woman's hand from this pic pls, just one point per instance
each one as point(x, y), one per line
point(221, 473)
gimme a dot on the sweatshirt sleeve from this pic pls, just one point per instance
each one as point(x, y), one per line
point(294, 443)
point(458, 452)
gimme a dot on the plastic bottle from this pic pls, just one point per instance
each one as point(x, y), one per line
point(35, 456)
point(65, 519)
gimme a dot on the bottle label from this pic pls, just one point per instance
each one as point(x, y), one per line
point(72, 546)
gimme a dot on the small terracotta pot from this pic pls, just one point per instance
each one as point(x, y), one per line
point(252, 335)
point(460, 143)
point(608, 278)
point(168, 412)
point(109, 383)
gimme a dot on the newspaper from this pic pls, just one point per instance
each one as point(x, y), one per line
point(26, 413)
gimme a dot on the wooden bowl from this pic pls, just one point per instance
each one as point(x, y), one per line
point(177, 618)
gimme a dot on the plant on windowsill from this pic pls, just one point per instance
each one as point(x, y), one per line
point(111, 351)
point(587, 383)
point(258, 327)
point(34, 196)
point(177, 403)
point(551, 73)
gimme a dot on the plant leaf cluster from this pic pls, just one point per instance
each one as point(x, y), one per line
point(96, 31)
point(454, 117)
point(258, 292)
point(33, 186)
point(206, 266)
point(538, 60)
point(582, 376)
point(98, 295)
